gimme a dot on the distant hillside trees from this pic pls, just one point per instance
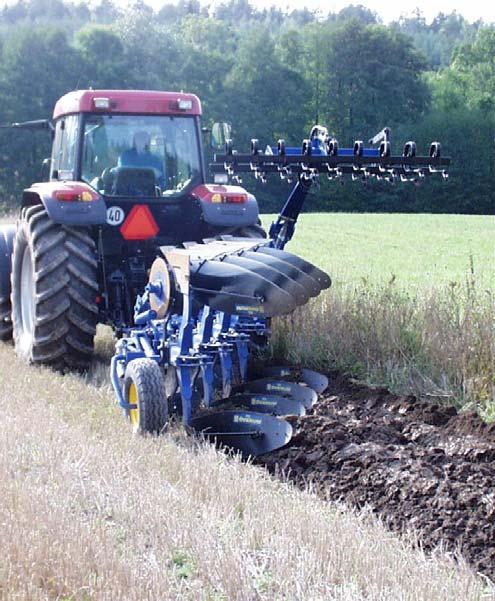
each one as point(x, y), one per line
point(272, 74)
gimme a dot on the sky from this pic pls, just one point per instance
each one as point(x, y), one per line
point(388, 10)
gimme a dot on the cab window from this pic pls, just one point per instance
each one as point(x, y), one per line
point(140, 155)
point(64, 151)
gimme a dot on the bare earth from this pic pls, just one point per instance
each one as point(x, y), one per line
point(418, 465)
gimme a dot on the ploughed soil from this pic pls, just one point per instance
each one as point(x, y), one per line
point(419, 465)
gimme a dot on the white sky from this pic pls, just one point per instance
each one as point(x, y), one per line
point(388, 10)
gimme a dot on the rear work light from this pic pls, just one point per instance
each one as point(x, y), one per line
point(184, 105)
point(221, 194)
point(75, 194)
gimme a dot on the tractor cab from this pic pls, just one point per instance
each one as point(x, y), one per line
point(128, 144)
point(138, 156)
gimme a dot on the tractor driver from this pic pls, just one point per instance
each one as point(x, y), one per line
point(141, 156)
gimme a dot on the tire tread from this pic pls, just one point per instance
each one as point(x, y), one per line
point(148, 379)
point(65, 283)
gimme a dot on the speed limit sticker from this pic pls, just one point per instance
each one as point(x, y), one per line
point(115, 215)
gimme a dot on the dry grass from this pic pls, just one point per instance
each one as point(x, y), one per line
point(89, 512)
point(439, 342)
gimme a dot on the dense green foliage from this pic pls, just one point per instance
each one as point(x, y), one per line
point(272, 75)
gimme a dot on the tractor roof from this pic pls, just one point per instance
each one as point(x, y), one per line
point(127, 101)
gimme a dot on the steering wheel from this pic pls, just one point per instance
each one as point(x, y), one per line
point(108, 177)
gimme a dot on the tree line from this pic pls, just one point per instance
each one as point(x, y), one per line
point(271, 74)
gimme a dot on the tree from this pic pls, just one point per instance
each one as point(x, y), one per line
point(235, 11)
point(476, 65)
point(207, 48)
point(265, 98)
point(37, 68)
point(171, 13)
point(150, 50)
point(373, 78)
point(105, 12)
point(437, 39)
point(103, 62)
point(358, 13)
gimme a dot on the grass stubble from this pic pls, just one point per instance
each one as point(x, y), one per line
point(89, 511)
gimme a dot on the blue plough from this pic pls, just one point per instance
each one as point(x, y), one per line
point(207, 307)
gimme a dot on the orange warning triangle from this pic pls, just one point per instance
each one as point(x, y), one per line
point(139, 224)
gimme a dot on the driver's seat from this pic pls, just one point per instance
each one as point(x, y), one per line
point(140, 156)
point(134, 181)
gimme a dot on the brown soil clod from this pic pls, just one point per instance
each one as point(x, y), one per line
point(418, 465)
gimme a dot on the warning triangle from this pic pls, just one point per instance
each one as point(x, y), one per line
point(139, 224)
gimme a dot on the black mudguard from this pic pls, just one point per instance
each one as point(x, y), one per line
point(93, 212)
point(7, 233)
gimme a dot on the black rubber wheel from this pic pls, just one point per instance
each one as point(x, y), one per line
point(144, 386)
point(54, 289)
point(7, 233)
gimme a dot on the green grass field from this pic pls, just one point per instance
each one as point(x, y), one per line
point(412, 304)
point(420, 250)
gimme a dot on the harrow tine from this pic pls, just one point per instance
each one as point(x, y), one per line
point(268, 403)
point(318, 382)
point(250, 433)
point(298, 392)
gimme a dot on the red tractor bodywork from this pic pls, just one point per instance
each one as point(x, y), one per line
point(138, 102)
point(131, 209)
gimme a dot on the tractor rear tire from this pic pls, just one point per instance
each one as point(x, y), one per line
point(144, 386)
point(7, 233)
point(54, 289)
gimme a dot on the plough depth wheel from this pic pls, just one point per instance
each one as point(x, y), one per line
point(144, 392)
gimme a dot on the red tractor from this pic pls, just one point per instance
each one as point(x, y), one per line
point(127, 175)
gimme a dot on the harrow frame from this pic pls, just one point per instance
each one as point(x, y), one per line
point(322, 155)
